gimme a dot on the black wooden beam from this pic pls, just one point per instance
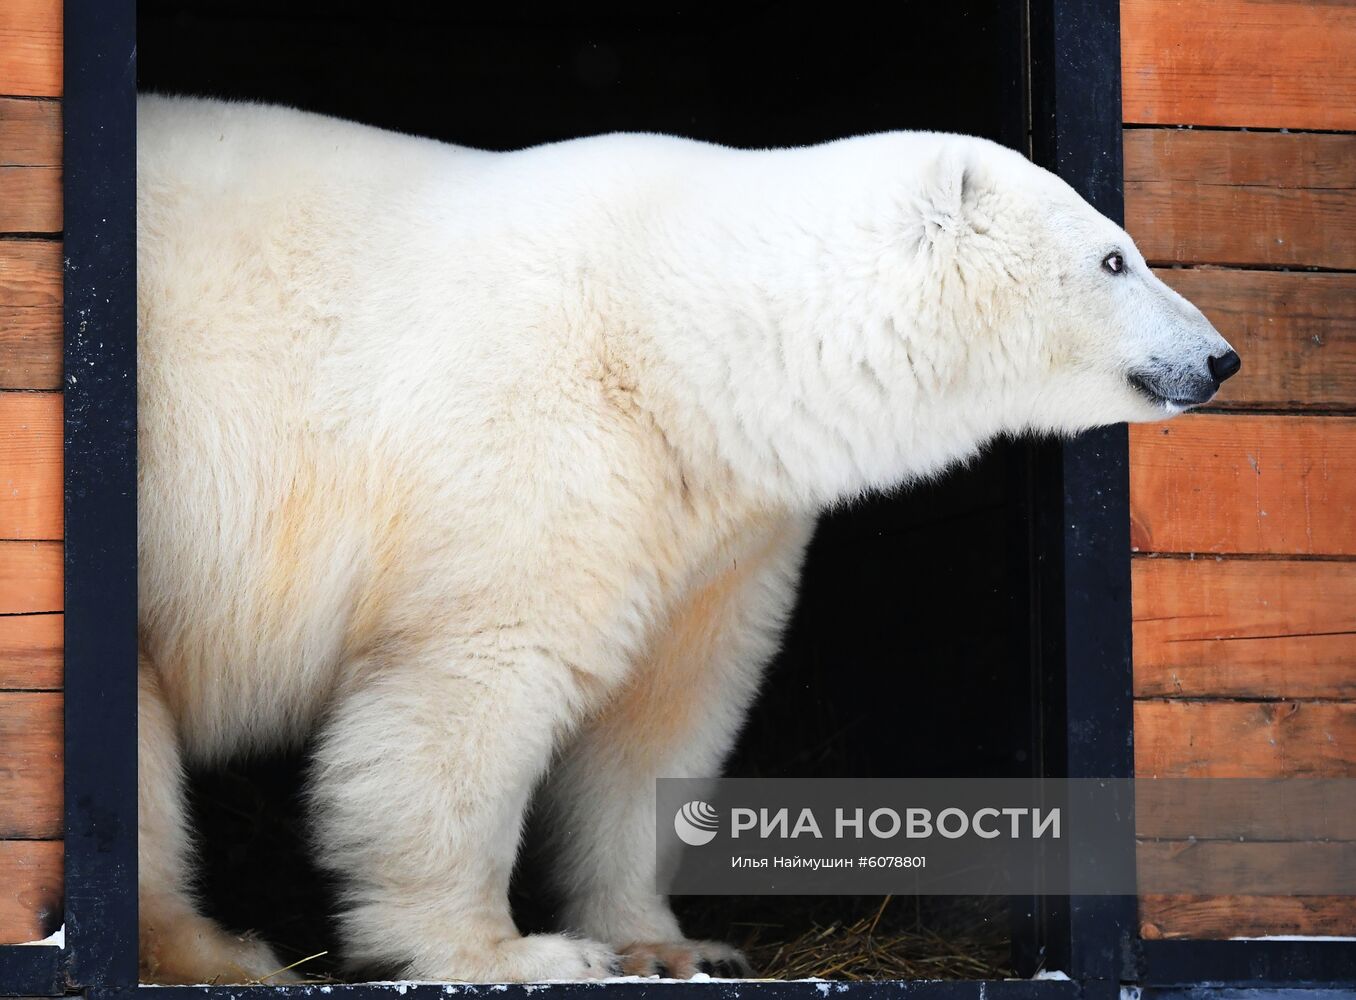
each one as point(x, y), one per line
point(1082, 534)
point(100, 459)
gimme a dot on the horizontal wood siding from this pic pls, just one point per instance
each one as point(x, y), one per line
point(30, 652)
point(1296, 331)
point(30, 753)
point(1279, 485)
point(30, 165)
point(1270, 868)
point(30, 889)
point(1245, 916)
point(30, 577)
point(1238, 739)
point(30, 199)
point(30, 132)
point(31, 741)
point(1259, 63)
point(1244, 517)
point(30, 38)
point(30, 314)
point(1185, 192)
point(1266, 810)
point(1233, 628)
point(30, 465)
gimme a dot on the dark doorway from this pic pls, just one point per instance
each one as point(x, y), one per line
point(909, 652)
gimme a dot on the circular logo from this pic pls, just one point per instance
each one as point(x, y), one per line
point(696, 824)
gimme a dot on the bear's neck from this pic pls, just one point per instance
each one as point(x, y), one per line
point(773, 353)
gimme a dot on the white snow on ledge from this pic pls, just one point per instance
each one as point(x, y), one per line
point(1293, 937)
point(826, 988)
point(57, 937)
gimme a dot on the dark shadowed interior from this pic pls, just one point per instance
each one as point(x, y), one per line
point(910, 651)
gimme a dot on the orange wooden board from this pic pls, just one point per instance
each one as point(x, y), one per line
point(1296, 332)
point(1303, 868)
point(30, 133)
point(1289, 809)
point(1244, 483)
point(1230, 739)
point(30, 765)
point(1264, 63)
point(30, 270)
point(30, 652)
point(30, 39)
point(1194, 197)
point(30, 465)
point(30, 314)
point(1231, 628)
point(1242, 159)
point(30, 577)
point(30, 200)
point(1220, 917)
point(30, 889)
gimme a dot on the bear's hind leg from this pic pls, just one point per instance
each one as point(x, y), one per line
point(178, 945)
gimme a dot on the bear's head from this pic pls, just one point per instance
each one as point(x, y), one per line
point(1087, 333)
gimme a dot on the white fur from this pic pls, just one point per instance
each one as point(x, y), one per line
point(475, 461)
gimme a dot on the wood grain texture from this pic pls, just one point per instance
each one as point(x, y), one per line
point(30, 314)
point(1282, 809)
point(30, 133)
point(30, 889)
point(1222, 917)
point(30, 38)
point(30, 765)
point(1241, 159)
point(30, 465)
point(30, 652)
point(1253, 484)
point(1264, 198)
point(1221, 867)
point(1228, 628)
point(30, 577)
point(1229, 739)
point(30, 199)
point(30, 271)
point(1264, 63)
point(1296, 332)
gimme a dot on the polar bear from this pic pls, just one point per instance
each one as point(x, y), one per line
point(495, 471)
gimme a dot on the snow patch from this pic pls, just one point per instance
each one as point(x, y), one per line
point(57, 938)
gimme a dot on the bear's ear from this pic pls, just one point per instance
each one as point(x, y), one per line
point(952, 190)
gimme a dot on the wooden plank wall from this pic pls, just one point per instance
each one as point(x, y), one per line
point(30, 470)
point(1244, 516)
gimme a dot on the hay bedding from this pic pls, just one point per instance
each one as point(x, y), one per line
point(888, 942)
point(863, 938)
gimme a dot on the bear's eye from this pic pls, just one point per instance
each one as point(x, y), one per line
point(1113, 263)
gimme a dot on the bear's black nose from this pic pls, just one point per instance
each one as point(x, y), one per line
point(1225, 366)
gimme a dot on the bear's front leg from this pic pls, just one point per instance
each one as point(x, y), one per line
point(421, 780)
point(676, 717)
